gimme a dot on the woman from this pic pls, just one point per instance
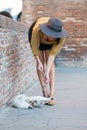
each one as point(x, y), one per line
point(46, 36)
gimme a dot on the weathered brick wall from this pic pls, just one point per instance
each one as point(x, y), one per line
point(17, 65)
point(74, 15)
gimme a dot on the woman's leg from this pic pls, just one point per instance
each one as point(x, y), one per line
point(41, 76)
point(52, 81)
point(51, 76)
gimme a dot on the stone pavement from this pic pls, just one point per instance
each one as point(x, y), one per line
point(69, 113)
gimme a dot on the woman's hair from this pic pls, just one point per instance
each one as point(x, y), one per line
point(57, 40)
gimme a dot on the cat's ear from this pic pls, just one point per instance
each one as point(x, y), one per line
point(35, 101)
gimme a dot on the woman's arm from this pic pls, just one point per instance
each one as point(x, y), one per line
point(56, 48)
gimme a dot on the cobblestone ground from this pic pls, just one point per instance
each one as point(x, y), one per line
point(69, 113)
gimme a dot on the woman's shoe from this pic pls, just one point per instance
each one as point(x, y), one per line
point(51, 102)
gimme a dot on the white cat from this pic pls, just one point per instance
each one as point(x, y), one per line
point(26, 102)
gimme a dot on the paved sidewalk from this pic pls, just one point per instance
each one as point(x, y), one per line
point(69, 113)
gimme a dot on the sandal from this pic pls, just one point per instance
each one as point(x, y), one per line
point(51, 102)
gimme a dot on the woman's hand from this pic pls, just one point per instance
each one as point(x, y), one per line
point(40, 67)
point(39, 64)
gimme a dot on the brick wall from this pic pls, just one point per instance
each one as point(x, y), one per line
point(74, 15)
point(17, 65)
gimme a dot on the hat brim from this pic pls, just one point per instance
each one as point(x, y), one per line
point(52, 33)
